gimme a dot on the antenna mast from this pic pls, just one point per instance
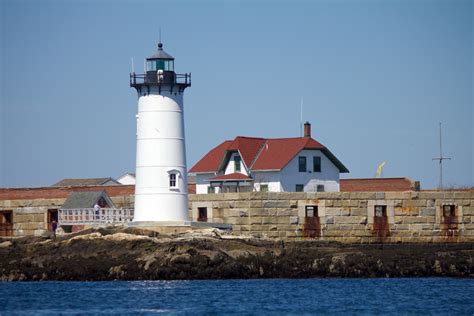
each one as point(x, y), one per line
point(441, 158)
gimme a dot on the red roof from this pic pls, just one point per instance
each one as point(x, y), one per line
point(277, 153)
point(212, 160)
point(261, 153)
point(378, 185)
point(230, 177)
point(248, 147)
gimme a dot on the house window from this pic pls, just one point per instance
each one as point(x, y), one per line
point(380, 211)
point(317, 164)
point(237, 163)
point(311, 211)
point(299, 188)
point(449, 210)
point(173, 181)
point(202, 214)
point(320, 188)
point(211, 190)
point(263, 187)
point(302, 164)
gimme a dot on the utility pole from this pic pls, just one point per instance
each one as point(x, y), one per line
point(441, 158)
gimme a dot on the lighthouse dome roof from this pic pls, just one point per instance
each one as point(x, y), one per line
point(161, 54)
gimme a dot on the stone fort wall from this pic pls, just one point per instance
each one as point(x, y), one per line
point(353, 217)
point(30, 207)
point(412, 216)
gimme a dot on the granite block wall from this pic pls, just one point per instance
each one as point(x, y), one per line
point(30, 216)
point(410, 216)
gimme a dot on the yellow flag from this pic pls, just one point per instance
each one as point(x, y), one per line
point(379, 169)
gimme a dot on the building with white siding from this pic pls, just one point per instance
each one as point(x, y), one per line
point(276, 165)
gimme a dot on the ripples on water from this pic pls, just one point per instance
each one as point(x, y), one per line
point(242, 297)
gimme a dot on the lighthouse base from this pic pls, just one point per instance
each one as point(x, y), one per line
point(172, 227)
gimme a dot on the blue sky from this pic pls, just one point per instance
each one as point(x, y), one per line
point(376, 78)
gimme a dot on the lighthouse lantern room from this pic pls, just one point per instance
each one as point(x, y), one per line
point(161, 173)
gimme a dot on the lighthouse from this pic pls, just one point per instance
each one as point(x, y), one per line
point(161, 175)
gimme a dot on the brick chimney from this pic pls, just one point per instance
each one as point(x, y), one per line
point(307, 129)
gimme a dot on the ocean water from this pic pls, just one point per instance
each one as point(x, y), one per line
point(417, 296)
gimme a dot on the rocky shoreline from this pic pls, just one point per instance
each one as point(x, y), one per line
point(134, 254)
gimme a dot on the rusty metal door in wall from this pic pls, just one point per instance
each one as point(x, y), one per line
point(312, 225)
point(6, 223)
point(449, 227)
point(381, 227)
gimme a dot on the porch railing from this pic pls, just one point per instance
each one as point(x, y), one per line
point(82, 216)
point(144, 79)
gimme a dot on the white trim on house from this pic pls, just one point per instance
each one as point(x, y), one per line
point(284, 180)
point(230, 167)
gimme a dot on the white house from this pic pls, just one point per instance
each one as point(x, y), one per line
point(127, 179)
point(277, 165)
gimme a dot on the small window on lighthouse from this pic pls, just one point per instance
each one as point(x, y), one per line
point(160, 64)
point(173, 181)
point(154, 65)
point(169, 65)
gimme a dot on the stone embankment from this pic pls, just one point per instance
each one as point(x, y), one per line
point(133, 254)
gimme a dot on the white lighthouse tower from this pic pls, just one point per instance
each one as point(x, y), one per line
point(161, 193)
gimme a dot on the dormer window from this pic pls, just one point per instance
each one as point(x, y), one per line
point(237, 164)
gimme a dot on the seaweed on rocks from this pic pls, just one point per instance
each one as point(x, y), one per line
point(113, 253)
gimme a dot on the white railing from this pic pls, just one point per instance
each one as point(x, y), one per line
point(81, 216)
